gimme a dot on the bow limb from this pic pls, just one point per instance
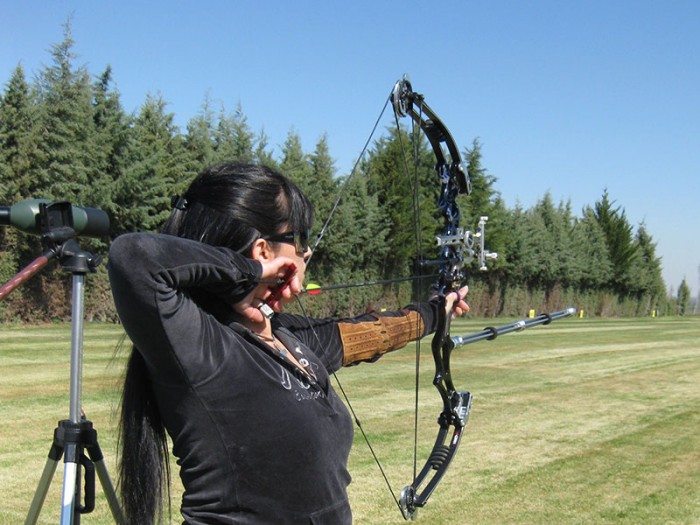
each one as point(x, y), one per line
point(408, 103)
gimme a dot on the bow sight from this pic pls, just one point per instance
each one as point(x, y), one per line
point(469, 245)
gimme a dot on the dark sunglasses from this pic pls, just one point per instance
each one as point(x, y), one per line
point(300, 240)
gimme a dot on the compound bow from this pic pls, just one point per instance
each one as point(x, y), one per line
point(458, 247)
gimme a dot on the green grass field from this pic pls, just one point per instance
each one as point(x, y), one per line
point(583, 421)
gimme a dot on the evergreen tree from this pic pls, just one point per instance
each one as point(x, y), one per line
point(557, 222)
point(114, 143)
point(485, 201)
point(480, 201)
point(619, 241)
point(67, 142)
point(201, 137)
point(594, 269)
point(143, 193)
point(234, 141)
point(646, 277)
point(683, 297)
point(536, 262)
point(321, 189)
point(15, 163)
point(295, 163)
point(400, 172)
point(321, 186)
point(511, 256)
point(263, 155)
point(18, 138)
point(352, 250)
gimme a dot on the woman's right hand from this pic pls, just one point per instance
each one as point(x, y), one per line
point(272, 270)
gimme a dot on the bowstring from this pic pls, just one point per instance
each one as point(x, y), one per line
point(413, 179)
point(345, 184)
point(349, 405)
point(412, 176)
point(308, 320)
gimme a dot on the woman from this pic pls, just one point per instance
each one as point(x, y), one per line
point(259, 433)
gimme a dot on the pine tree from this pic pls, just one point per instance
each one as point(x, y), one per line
point(200, 140)
point(18, 138)
point(233, 138)
point(158, 172)
point(67, 142)
point(114, 144)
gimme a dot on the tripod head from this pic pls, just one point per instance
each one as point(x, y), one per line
point(58, 223)
point(39, 216)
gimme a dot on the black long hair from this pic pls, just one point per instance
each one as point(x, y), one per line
point(230, 205)
point(234, 204)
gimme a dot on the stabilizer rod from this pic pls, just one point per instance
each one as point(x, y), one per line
point(491, 332)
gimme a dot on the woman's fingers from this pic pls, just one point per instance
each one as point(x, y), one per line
point(455, 302)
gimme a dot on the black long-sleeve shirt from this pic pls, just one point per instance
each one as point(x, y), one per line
point(257, 440)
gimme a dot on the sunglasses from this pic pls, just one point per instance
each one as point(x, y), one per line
point(300, 240)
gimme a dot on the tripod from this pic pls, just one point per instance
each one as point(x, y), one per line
point(73, 436)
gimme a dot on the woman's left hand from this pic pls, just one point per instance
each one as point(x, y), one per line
point(455, 302)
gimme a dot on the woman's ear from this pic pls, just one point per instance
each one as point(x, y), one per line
point(261, 251)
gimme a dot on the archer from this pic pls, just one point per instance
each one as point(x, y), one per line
point(241, 388)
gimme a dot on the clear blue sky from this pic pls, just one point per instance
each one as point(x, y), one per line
point(566, 97)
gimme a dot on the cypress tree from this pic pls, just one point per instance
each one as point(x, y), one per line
point(683, 297)
point(591, 257)
point(619, 241)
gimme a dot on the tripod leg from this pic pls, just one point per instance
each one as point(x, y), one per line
point(71, 484)
point(110, 493)
point(96, 457)
point(44, 483)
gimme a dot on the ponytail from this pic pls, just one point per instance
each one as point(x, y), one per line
point(144, 466)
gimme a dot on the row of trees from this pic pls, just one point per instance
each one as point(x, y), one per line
point(65, 136)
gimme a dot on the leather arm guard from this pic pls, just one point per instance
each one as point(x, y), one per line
point(369, 340)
